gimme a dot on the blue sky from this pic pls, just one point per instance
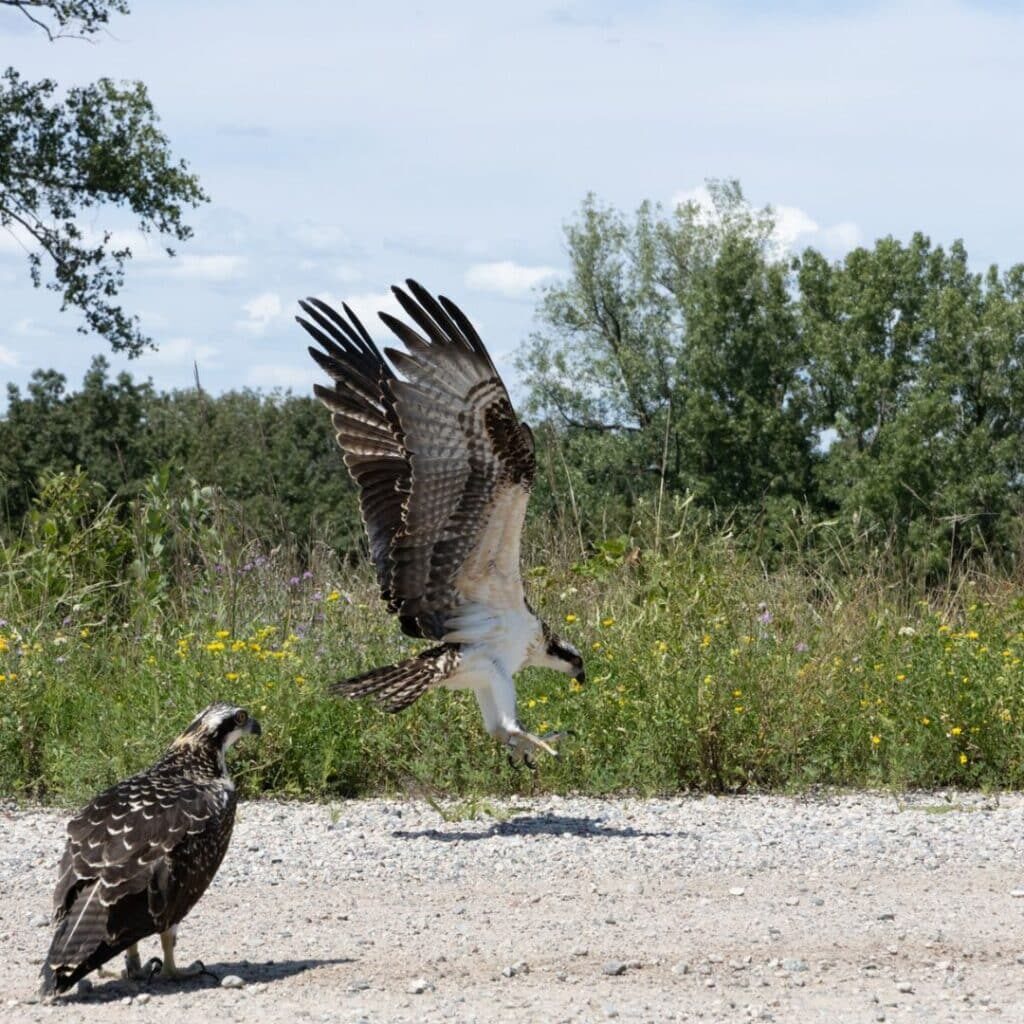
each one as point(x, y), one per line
point(347, 146)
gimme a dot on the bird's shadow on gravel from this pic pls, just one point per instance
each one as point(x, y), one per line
point(268, 972)
point(535, 825)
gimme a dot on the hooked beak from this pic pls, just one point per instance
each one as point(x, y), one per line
point(253, 727)
point(580, 677)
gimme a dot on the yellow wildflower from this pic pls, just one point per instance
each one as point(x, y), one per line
point(334, 595)
point(222, 634)
point(737, 693)
point(963, 759)
point(662, 646)
point(955, 731)
point(738, 709)
point(875, 740)
point(945, 629)
point(84, 632)
point(900, 678)
point(215, 647)
point(608, 621)
point(596, 645)
point(926, 720)
point(230, 676)
point(571, 617)
point(1005, 715)
point(4, 645)
point(300, 680)
point(705, 640)
point(971, 634)
point(237, 645)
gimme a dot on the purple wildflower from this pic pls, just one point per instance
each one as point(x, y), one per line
point(801, 648)
point(307, 575)
point(765, 617)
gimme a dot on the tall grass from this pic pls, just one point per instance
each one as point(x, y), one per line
point(705, 671)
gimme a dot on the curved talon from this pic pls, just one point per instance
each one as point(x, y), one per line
point(204, 970)
point(153, 966)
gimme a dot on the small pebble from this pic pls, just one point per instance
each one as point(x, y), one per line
point(418, 987)
point(737, 890)
point(231, 981)
point(614, 968)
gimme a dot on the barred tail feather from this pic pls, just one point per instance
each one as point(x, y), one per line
point(395, 687)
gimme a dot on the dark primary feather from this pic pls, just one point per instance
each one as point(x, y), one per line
point(436, 446)
point(365, 424)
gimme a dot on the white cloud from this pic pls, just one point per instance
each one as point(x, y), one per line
point(280, 375)
point(26, 327)
point(792, 223)
point(508, 278)
point(181, 350)
point(213, 267)
point(842, 237)
point(795, 228)
point(366, 306)
point(8, 357)
point(259, 312)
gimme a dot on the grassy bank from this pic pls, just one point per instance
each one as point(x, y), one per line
point(704, 670)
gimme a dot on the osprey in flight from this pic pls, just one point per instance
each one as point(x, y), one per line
point(444, 470)
point(142, 853)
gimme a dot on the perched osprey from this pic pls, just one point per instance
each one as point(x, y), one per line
point(142, 853)
point(444, 470)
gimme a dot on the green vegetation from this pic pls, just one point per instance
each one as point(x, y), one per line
point(704, 671)
point(779, 505)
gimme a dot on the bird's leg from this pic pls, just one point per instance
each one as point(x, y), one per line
point(133, 967)
point(522, 744)
point(168, 968)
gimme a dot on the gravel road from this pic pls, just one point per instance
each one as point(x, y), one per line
point(843, 908)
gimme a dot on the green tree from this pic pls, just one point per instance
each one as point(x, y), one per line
point(61, 157)
point(674, 345)
point(916, 379)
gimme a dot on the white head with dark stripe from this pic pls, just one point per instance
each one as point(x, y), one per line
point(215, 730)
point(555, 653)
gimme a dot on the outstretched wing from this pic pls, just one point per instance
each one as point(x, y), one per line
point(120, 879)
point(456, 554)
point(451, 463)
point(365, 425)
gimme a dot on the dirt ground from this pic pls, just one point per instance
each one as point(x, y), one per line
point(858, 908)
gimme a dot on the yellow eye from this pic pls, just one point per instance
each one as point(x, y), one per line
point(241, 717)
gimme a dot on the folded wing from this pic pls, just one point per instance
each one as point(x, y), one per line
point(121, 878)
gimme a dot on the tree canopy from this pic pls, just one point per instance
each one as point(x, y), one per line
point(65, 153)
point(884, 391)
